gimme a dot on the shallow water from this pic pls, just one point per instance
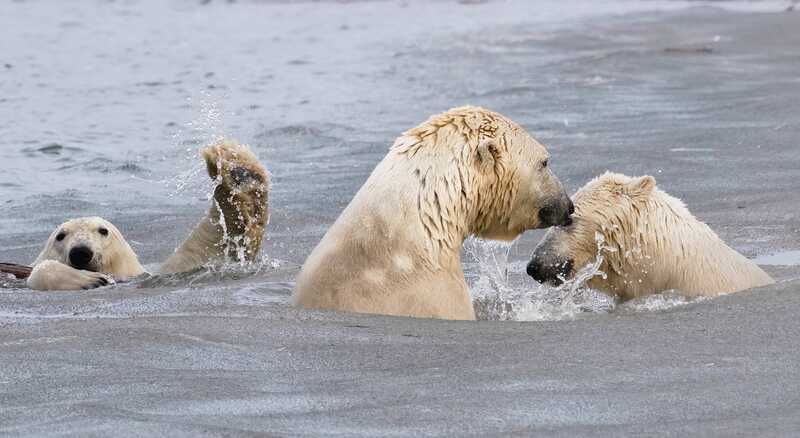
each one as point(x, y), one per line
point(785, 258)
point(107, 103)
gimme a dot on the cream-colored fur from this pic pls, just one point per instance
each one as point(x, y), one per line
point(654, 243)
point(235, 222)
point(395, 249)
point(233, 227)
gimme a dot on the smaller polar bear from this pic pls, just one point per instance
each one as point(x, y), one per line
point(650, 241)
point(396, 249)
point(91, 252)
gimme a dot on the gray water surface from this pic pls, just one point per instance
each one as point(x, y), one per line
point(105, 105)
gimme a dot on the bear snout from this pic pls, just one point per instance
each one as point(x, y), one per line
point(557, 214)
point(80, 257)
point(553, 273)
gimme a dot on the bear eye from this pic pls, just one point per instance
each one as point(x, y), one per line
point(545, 163)
point(103, 231)
point(61, 236)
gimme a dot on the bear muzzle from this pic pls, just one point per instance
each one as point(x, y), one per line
point(557, 214)
point(554, 272)
point(80, 257)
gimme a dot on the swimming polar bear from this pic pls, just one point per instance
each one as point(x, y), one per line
point(653, 244)
point(396, 249)
point(90, 252)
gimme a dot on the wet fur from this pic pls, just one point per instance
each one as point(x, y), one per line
point(395, 250)
point(657, 244)
point(233, 227)
point(235, 222)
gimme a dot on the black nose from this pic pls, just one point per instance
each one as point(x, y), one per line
point(534, 270)
point(80, 256)
point(553, 273)
point(556, 215)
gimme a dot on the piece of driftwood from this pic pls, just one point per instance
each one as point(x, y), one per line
point(19, 271)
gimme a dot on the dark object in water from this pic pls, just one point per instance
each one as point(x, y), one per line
point(19, 271)
point(703, 49)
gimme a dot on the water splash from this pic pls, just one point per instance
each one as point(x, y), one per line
point(8, 281)
point(207, 128)
point(220, 272)
point(653, 303)
point(502, 291)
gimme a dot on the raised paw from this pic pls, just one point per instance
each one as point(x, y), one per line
point(235, 167)
point(240, 197)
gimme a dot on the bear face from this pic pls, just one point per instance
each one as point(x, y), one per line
point(538, 199)
point(91, 244)
point(482, 174)
point(644, 241)
point(610, 212)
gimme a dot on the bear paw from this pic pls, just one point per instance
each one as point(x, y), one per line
point(240, 197)
point(53, 275)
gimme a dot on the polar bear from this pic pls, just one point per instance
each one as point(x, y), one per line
point(89, 252)
point(396, 248)
point(651, 243)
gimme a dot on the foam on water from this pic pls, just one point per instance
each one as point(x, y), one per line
point(665, 300)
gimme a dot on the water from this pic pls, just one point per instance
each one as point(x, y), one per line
point(785, 258)
point(111, 124)
point(502, 291)
point(106, 104)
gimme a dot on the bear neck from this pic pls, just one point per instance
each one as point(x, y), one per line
point(671, 249)
point(423, 210)
point(448, 212)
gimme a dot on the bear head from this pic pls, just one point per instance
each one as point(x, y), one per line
point(611, 216)
point(481, 173)
point(92, 244)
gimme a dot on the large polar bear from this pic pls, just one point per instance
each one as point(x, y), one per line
point(395, 249)
point(90, 252)
point(650, 240)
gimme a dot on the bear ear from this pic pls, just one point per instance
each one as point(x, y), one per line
point(487, 152)
point(642, 185)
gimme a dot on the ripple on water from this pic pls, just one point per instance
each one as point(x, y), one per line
point(52, 149)
point(225, 289)
point(322, 135)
